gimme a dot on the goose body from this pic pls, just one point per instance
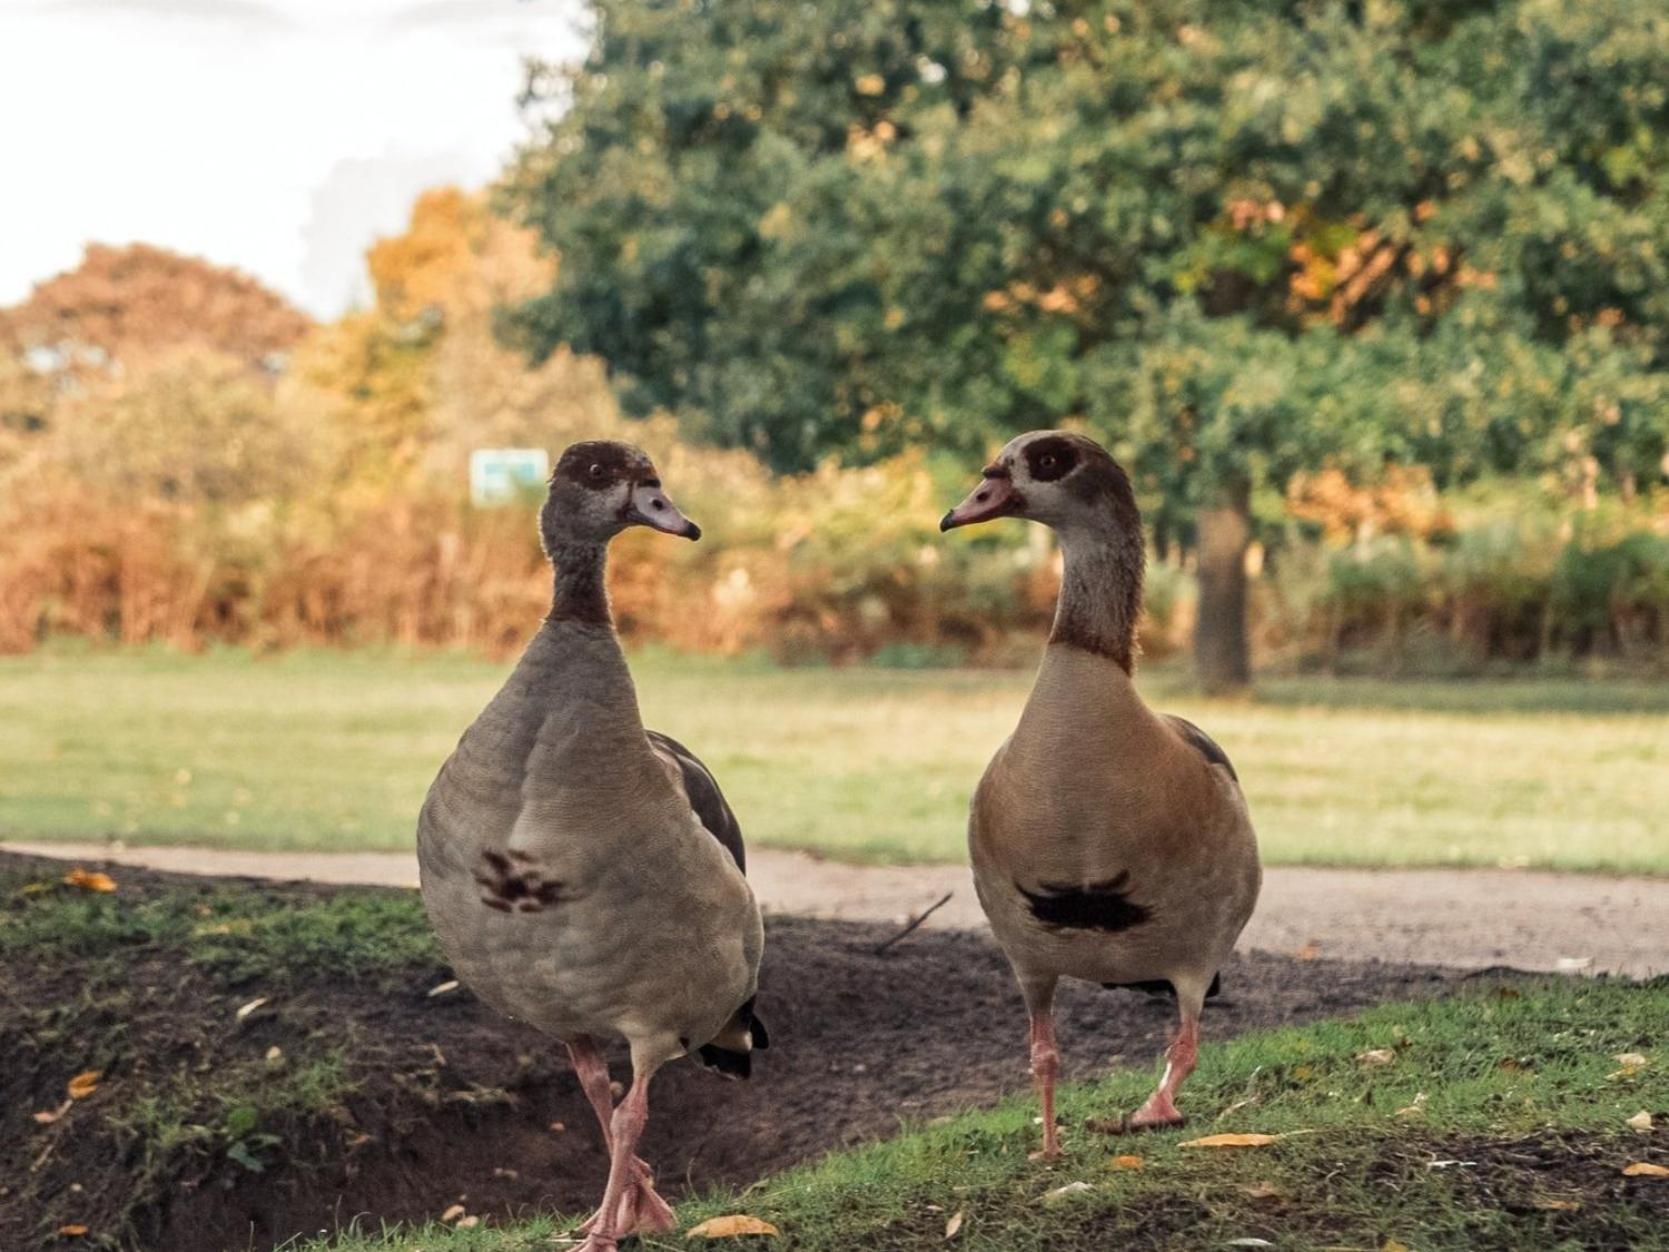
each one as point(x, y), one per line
point(582, 873)
point(1109, 843)
point(565, 870)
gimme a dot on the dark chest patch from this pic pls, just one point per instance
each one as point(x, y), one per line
point(511, 887)
point(1093, 906)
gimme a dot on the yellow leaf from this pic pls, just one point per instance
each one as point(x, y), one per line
point(731, 1227)
point(1558, 1206)
point(1391, 1245)
point(453, 1213)
point(953, 1225)
point(1630, 1060)
point(1645, 1169)
point(1641, 1121)
point(1127, 1162)
point(72, 1231)
point(1232, 1141)
point(84, 1083)
point(1376, 1056)
point(90, 880)
point(870, 84)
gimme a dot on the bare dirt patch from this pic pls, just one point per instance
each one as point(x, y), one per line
point(387, 1102)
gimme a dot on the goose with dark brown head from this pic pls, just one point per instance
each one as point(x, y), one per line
point(1109, 843)
point(582, 873)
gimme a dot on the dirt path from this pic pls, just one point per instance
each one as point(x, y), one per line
point(1469, 919)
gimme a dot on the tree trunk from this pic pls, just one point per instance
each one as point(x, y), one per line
point(1222, 656)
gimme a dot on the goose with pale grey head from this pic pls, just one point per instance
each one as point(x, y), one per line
point(582, 873)
point(1109, 843)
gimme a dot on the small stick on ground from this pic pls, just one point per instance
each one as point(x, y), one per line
point(915, 921)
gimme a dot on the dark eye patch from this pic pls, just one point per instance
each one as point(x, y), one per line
point(597, 464)
point(1049, 460)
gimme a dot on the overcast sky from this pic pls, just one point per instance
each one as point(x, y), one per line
point(279, 136)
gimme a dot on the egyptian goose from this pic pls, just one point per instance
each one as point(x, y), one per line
point(584, 874)
point(1109, 843)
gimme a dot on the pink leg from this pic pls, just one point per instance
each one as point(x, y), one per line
point(626, 1127)
point(1160, 1109)
point(1046, 1066)
point(641, 1207)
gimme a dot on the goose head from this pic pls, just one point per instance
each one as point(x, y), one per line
point(1062, 479)
point(599, 488)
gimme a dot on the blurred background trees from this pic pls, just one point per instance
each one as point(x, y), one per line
point(1370, 298)
point(1234, 241)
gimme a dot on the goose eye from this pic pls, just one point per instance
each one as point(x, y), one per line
point(596, 471)
point(1047, 461)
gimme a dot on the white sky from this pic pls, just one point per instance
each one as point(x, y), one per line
point(279, 136)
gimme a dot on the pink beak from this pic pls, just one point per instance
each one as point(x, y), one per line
point(994, 497)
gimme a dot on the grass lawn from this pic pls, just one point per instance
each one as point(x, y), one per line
point(332, 750)
point(1495, 1120)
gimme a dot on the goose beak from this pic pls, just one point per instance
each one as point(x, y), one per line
point(994, 497)
point(651, 508)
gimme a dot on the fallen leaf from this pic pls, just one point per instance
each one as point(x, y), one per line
point(1391, 1245)
point(1641, 1121)
point(244, 1010)
point(453, 1213)
point(1574, 964)
point(1262, 1191)
point(1231, 1141)
point(731, 1227)
point(1417, 1109)
point(72, 1231)
point(467, 1223)
point(84, 1084)
point(1303, 1073)
point(90, 880)
point(1558, 1206)
point(440, 989)
point(1127, 1162)
point(275, 1054)
point(1630, 1060)
point(953, 1225)
point(47, 1116)
point(1376, 1056)
point(1249, 1242)
point(1645, 1169)
point(1066, 1193)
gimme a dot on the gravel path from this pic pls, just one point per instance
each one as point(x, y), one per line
point(1469, 919)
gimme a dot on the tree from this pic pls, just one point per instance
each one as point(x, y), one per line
point(122, 303)
point(1233, 240)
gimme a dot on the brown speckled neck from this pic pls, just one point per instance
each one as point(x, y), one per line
point(580, 593)
point(1101, 595)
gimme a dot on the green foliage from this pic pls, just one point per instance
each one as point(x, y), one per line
point(1232, 239)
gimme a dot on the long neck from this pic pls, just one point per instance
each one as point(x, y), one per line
point(1101, 594)
point(580, 593)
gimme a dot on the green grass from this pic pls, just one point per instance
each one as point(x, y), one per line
point(230, 933)
point(1526, 1073)
point(330, 750)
